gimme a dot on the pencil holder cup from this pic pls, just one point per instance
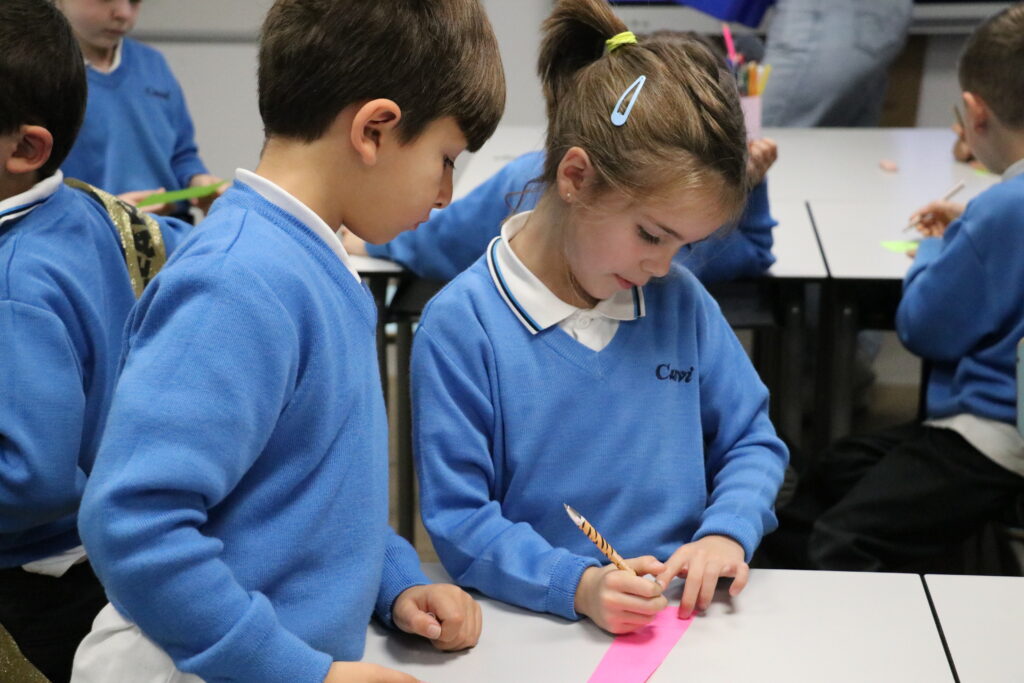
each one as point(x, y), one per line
point(751, 106)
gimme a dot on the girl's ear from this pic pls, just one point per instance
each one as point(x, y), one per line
point(32, 148)
point(372, 122)
point(574, 172)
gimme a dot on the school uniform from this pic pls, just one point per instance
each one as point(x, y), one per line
point(457, 235)
point(906, 497)
point(237, 511)
point(137, 133)
point(65, 294)
point(643, 413)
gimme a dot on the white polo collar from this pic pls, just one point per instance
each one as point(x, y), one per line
point(283, 200)
point(20, 204)
point(536, 307)
point(1015, 169)
point(114, 63)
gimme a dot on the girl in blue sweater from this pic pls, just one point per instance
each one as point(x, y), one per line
point(574, 363)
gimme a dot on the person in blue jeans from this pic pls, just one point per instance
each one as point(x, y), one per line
point(830, 59)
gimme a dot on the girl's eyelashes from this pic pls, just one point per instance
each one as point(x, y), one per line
point(646, 236)
point(449, 163)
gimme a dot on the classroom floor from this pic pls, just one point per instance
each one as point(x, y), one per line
point(891, 399)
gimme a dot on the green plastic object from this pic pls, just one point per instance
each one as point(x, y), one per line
point(179, 195)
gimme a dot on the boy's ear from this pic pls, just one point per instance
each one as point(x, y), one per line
point(978, 111)
point(33, 145)
point(372, 122)
point(574, 171)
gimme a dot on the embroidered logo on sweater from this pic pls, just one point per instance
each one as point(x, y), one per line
point(162, 94)
point(666, 371)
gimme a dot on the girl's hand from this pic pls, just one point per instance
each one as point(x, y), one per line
point(701, 563)
point(933, 218)
point(361, 672)
point(352, 243)
point(763, 153)
point(442, 613)
point(617, 601)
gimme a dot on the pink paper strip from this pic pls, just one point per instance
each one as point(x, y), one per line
point(634, 657)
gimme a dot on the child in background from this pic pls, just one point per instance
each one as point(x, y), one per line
point(575, 363)
point(455, 237)
point(237, 511)
point(904, 499)
point(137, 137)
point(65, 294)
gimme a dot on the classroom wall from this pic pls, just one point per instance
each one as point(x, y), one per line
point(211, 46)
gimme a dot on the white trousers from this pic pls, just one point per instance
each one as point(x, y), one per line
point(116, 651)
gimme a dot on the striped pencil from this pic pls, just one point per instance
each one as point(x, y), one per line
point(602, 545)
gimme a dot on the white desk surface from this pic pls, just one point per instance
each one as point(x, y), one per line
point(791, 626)
point(368, 265)
point(842, 164)
point(981, 618)
point(796, 250)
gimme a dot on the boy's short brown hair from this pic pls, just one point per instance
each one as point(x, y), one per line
point(42, 75)
point(434, 58)
point(992, 65)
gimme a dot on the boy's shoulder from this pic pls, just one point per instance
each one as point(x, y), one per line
point(50, 241)
point(1000, 208)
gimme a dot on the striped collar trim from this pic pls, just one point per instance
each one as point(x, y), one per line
point(530, 300)
point(21, 204)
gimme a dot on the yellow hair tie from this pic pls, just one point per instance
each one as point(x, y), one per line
point(617, 41)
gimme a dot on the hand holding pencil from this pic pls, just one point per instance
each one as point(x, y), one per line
point(932, 219)
point(614, 596)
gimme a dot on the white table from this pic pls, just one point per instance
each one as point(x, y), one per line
point(981, 619)
point(786, 626)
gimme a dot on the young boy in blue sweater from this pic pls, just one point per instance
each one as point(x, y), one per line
point(137, 137)
point(65, 294)
point(903, 499)
point(576, 363)
point(237, 511)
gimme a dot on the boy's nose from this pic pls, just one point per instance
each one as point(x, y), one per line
point(444, 196)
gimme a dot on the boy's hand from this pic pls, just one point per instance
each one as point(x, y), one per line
point(701, 563)
point(617, 601)
point(136, 196)
point(932, 219)
point(352, 243)
point(442, 613)
point(201, 179)
point(961, 151)
point(763, 153)
point(360, 672)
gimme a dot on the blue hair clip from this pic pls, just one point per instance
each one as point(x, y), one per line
point(619, 118)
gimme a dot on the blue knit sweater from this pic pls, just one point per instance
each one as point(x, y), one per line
point(961, 307)
point(137, 133)
point(659, 439)
point(455, 236)
point(64, 298)
point(237, 511)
